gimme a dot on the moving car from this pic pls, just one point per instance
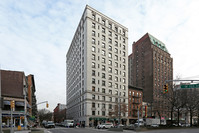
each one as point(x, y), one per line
point(49, 124)
point(105, 125)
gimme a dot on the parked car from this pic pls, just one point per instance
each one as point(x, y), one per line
point(154, 125)
point(105, 125)
point(49, 124)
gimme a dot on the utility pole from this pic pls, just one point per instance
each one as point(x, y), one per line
point(1, 105)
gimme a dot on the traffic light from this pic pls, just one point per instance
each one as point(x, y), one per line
point(165, 88)
point(12, 104)
point(47, 105)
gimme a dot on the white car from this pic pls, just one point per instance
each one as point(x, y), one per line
point(105, 125)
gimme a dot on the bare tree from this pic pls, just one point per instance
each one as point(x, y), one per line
point(45, 115)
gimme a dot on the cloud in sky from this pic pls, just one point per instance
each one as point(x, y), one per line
point(35, 35)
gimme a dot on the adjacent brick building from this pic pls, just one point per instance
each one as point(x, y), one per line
point(135, 103)
point(151, 64)
point(14, 85)
point(59, 113)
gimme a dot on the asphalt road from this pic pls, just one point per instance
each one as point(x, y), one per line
point(92, 130)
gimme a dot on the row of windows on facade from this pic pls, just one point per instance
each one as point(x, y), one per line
point(109, 83)
point(110, 98)
point(109, 68)
point(109, 40)
point(109, 91)
point(104, 59)
point(109, 34)
point(109, 54)
point(110, 63)
point(103, 22)
point(137, 101)
point(109, 76)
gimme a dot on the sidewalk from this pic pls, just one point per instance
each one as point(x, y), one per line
point(34, 130)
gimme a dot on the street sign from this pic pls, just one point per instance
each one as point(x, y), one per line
point(190, 86)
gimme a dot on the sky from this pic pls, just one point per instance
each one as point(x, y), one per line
point(35, 36)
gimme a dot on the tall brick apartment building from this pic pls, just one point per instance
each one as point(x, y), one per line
point(150, 65)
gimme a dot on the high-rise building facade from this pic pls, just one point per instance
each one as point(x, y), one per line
point(151, 67)
point(97, 69)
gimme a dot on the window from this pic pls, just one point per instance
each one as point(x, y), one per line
point(93, 88)
point(110, 62)
point(103, 68)
point(93, 16)
point(110, 105)
point(110, 48)
point(103, 90)
point(93, 105)
point(103, 22)
point(109, 84)
point(93, 49)
point(103, 60)
point(116, 50)
point(110, 77)
point(124, 81)
point(116, 64)
point(109, 55)
point(93, 41)
point(123, 47)
point(110, 26)
point(110, 33)
point(116, 29)
point(116, 79)
point(124, 67)
point(93, 112)
point(124, 94)
point(93, 25)
point(93, 81)
point(103, 75)
point(123, 60)
point(103, 30)
point(103, 52)
point(103, 113)
point(123, 40)
point(110, 99)
point(103, 83)
point(93, 65)
point(93, 57)
point(123, 33)
point(93, 72)
point(93, 33)
point(103, 45)
point(116, 36)
point(103, 37)
point(116, 43)
point(93, 97)
point(116, 71)
point(110, 40)
point(123, 74)
point(103, 98)
point(116, 93)
point(110, 70)
point(116, 57)
point(110, 91)
point(116, 86)
point(103, 106)
point(123, 53)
